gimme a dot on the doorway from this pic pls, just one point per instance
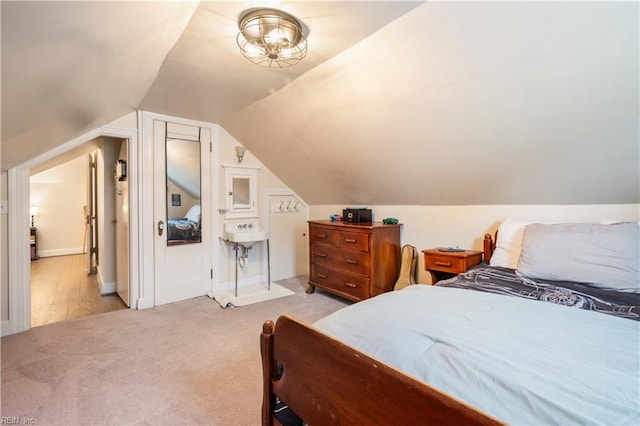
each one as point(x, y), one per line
point(62, 290)
point(182, 211)
point(76, 195)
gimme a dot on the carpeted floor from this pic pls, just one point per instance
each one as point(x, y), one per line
point(188, 362)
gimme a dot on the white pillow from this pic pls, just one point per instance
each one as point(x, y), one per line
point(194, 213)
point(509, 242)
point(605, 256)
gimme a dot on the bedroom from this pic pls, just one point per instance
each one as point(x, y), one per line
point(494, 109)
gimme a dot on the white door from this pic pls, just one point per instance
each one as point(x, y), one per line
point(289, 245)
point(182, 210)
point(122, 224)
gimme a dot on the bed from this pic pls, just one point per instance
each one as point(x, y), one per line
point(182, 228)
point(186, 229)
point(522, 339)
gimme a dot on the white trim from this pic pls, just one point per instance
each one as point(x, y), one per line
point(60, 252)
point(18, 197)
point(216, 222)
point(18, 251)
point(104, 131)
point(5, 327)
point(176, 120)
point(240, 166)
point(105, 288)
point(144, 198)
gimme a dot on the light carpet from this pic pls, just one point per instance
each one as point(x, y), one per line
point(184, 363)
point(250, 295)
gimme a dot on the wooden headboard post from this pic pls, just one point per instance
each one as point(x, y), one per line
point(489, 246)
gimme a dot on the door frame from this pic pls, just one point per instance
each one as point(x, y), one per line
point(146, 236)
point(18, 225)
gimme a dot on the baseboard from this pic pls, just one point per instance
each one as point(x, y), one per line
point(6, 329)
point(105, 288)
point(60, 252)
point(143, 303)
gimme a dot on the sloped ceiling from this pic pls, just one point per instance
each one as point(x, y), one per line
point(396, 103)
point(70, 67)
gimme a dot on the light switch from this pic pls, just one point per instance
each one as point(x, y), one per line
point(4, 206)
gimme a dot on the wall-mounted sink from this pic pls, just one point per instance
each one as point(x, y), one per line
point(245, 233)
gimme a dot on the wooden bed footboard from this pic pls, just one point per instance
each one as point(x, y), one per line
point(324, 381)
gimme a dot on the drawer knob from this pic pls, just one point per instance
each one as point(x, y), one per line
point(352, 261)
point(352, 285)
point(322, 235)
point(441, 263)
point(322, 254)
point(350, 240)
point(323, 276)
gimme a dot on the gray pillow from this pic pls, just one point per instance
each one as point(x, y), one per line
point(606, 256)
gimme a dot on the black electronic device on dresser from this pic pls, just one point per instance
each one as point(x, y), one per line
point(355, 261)
point(359, 215)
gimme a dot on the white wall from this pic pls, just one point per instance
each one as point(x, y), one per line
point(266, 180)
point(60, 193)
point(464, 226)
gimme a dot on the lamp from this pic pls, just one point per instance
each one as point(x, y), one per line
point(240, 150)
point(33, 211)
point(271, 37)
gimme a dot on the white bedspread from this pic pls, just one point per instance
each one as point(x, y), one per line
point(523, 361)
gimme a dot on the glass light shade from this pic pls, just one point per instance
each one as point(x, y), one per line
point(271, 38)
point(33, 211)
point(240, 150)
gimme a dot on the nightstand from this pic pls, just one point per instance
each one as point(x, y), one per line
point(446, 264)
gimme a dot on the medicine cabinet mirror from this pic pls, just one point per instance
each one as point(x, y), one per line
point(240, 185)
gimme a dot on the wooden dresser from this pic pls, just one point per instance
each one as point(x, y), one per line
point(355, 261)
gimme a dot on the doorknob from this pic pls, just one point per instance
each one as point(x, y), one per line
point(160, 227)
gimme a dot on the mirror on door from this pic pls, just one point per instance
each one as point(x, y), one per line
point(183, 192)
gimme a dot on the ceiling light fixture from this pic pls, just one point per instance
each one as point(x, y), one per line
point(271, 37)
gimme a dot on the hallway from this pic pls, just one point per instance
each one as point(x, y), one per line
point(62, 290)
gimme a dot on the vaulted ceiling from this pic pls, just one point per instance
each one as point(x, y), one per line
point(396, 103)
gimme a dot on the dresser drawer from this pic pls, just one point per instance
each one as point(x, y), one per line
point(353, 240)
point(350, 285)
point(352, 261)
point(451, 264)
point(322, 235)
